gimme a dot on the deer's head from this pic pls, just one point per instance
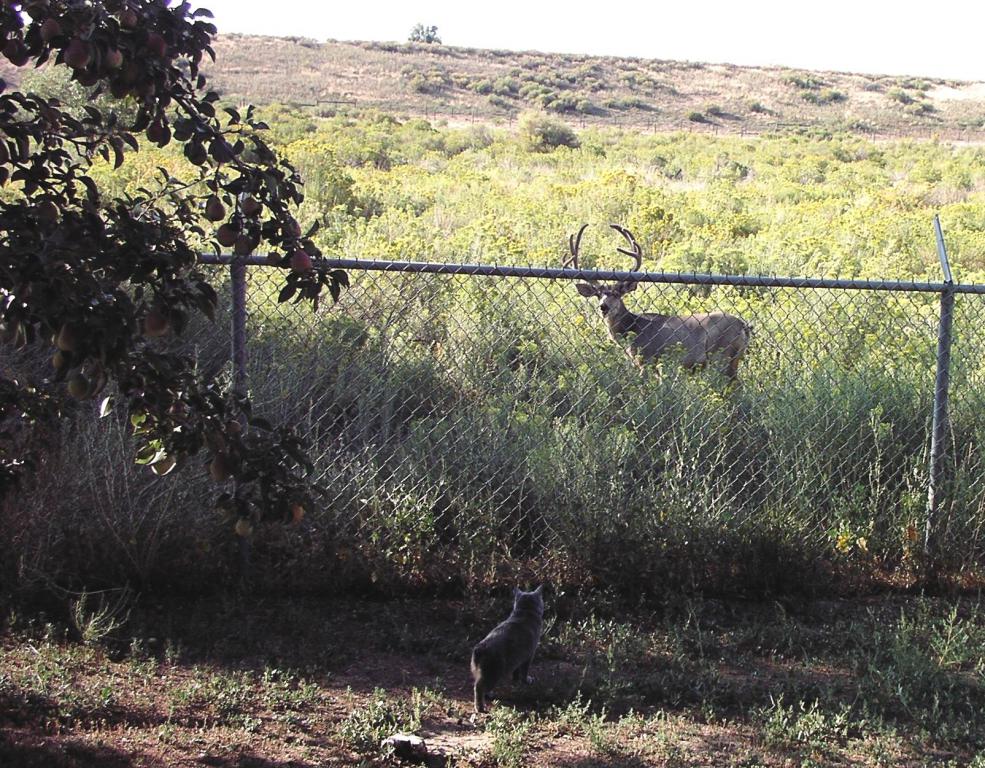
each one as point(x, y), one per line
point(609, 294)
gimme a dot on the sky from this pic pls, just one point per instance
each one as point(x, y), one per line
point(939, 39)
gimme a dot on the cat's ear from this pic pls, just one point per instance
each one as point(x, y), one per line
point(539, 590)
point(516, 592)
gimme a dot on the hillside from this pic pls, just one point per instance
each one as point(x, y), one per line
point(494, 85)
point(472, 85)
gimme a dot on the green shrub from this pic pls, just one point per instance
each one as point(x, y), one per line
point(919, 108)
point(505, 86)
point(465, 427)
point(540, 133)
point(501, 103)
point(914, 84)
point(625, 102)
point(823, 97)
point(899, 95)
point(804, 81)
point(430, 81)
point(563, 103)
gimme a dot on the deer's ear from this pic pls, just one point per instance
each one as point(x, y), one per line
point(627, 287)
point(587, 290)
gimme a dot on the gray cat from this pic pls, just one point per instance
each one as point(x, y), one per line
point(510, 647)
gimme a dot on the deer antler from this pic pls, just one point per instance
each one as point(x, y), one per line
point(574, 243)
point(636, 253)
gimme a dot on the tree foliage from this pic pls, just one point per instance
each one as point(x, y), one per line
point(105, 283)
point(424, 34)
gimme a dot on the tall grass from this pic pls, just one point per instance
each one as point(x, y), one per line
point(468, 429)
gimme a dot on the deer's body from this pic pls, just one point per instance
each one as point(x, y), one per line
point(650, 335)
point(700, 336)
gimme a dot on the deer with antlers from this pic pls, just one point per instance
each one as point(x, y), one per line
point(701, 335)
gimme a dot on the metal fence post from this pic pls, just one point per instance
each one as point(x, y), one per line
point(237, 277)
point(941, 390)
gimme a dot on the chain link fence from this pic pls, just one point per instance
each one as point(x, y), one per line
point(481, 418)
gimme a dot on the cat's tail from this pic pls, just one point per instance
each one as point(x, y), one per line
point(480, 683)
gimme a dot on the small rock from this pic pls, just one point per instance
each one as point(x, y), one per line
point(407, 746)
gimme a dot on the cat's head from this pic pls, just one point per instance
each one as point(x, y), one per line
point(529, 601)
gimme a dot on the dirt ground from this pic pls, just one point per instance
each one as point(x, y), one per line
point(280, 683)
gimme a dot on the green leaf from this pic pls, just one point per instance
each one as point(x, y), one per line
point(286, 292)
point(150, 453)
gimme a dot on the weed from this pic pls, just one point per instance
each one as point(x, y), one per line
point(600, 737)
point(367, 726)
point(511, 732)
point(222, 697)
point(808, 727)
point(882, 748)
point(926, 669)
point(172, 652)
point(570, 719)
point(97, 616)
point(229, 695)
point(287, 692)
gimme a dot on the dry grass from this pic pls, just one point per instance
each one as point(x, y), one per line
point(461, 84)
point(482, 85)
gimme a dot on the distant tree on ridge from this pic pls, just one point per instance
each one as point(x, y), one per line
point(423, 34)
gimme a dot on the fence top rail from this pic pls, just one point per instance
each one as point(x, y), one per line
point(558, 273)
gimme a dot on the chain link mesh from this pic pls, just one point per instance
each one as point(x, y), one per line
point(483, 420)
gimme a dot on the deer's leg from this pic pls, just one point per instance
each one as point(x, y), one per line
point(732, 370)
point(695, 358)
point(635, 357)
point(736, 351)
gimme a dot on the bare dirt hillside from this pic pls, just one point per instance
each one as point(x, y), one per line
point(463, 84)
point(493, 85)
